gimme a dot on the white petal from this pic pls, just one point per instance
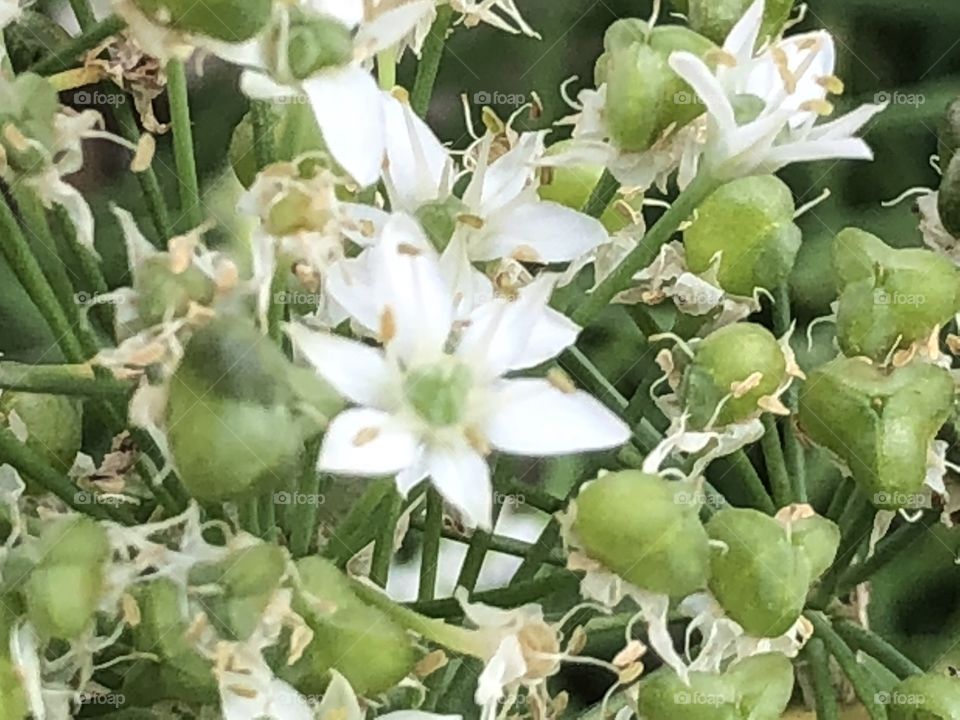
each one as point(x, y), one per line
point(392, 26)
point(339, 700)
point(463, 477)
point(356, 371)
point(543, 232)
point(349, 109)
point(701, 79)
point(366, 442)
point(743, 36)
point(506, 666)
point(848, 124)
point(419, 168)
point(350, 284)
point(470, 287)
point(532, 417)
point(553, 333)
point(349, 12)
point(364, 223)
point(509, 175)
point(848, 149)
point(261, 86)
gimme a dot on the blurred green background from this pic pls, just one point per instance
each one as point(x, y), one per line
point(907, 51)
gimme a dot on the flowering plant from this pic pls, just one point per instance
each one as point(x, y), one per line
point(211, 482)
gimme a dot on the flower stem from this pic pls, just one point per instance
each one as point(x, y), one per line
point(264, 145)
point(480, 542)
point(430, 550)
point(84, 13)
point(603, 194)
point(900, 540)
point(776, 464)
point(825, 697)
point(91, 276)
point(739, 464)
point(860, 638)
point(430, 61)
point(187, 180)
point(302, 517)
point(353, 531)
point(74, 380)
point(383, 548)
point(863, 684)
point(387, 69)
point(641, 256)
point(93, 35)
point(515, 594)
point(497, 543)
point(792, 449)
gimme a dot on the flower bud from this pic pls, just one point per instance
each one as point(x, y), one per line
point(663, 695)
point(741, 362)
point(228, 20)
point(357, 640)
point(818, 539)
point(764, 683)
point(314, 43)
point(28, 108)
point(54, 424)
point(749, 223)
point(716, 18)
point(72, 552)
point(644, 95)
point(880, 423)
point(438, 219)
point(759, 578)
point(948, 134)
point(162, 292)
point(295, 133)
point(890, 298)
point(646, 529)
point(230, 385)
point(948, 199)
point(926, 697)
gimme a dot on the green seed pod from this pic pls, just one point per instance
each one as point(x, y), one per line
point(71, 555)
point(316, 43)
point(54, 424)
point(644, 95)
point(749, 222)
point(439, 393)
point(764, 683)
point(879, 423)
point(647, 530)
point(161, 292)
point(948, 199)
point(925, 697)
point(230, 386)
point(948, 135)
point(438, 219)
point(662, 695)
point(28, 108)
point(759, 577)
point(725, 359)
point(890, 298)
point(716, 18)
point(226, 20)
point(818, 539)
point(365, 646)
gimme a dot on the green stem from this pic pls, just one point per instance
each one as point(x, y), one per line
point(645, 253)
point(276, 309)
point(383, 548)
point(387, 69)
point(353, 531)
point(777, 473)
point(824, 694)
point(76, 380)
point(430, 551)
point(264, 145)
point(517, 593)
point(17, 251)
point(602, 195)
point(480, 542)
point(84, 13)
point(739, 464)
point(900, 540)
point(94, 282)
point(859, 678)
point(302, 524)
point(838, 502)
point(430, 61)
point(67, 56)
point(183, 151)
point(860, 638)
point(497, 543)
point(792, 449)
point(249, 511)
point(267, 514)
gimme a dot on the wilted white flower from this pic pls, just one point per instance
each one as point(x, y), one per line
point(434, 401)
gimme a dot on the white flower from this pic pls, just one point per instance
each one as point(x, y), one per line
point(345, 100)
point(790, 79)
point(9, 13)
point(502, 14)
point(434, 402)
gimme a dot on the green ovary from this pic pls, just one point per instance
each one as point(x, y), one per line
point(439, 393)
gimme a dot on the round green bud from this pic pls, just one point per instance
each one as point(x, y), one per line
point(439, 393)
point(226, 20)
point(764, 683)
point(647, 530)
point(925, 697)
point(359, 641)
point(663, 695)
point(73, 540)
point(879, 423)
point(54, 424)
point(948, 199)
point(759, 578)
point(948, 134)
point(28, 109)
point(722, 362)
point(749, 223)
point(162, 292)
point(438, 218)
point(716, 18)
point(890, 298)
point(817, 538)
point(229, 386)
point(254, 570)
point(316, 43)
point(59, 614)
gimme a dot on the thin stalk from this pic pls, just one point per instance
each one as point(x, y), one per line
point(249, 511)
point(477, 552)
point(824, 694)
point(602, 195)
point(899, 541)
point(74, 380)
point(839, 500)
point(777, 472)
point(186, 163)
point(302, 517)
point(84, 13)
point(860, 679)
point(792, 449)
point(430, 550)
point(430, 61)
point(67, 56)
point(739, 464)
point(267, 513)
point(497, 543)
point(387, 69)
point(517, 593)
point(860, 638)
point(94, 282)
point(383, 548)
point(645, 253)
point(264, 145)
point(350, 535)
